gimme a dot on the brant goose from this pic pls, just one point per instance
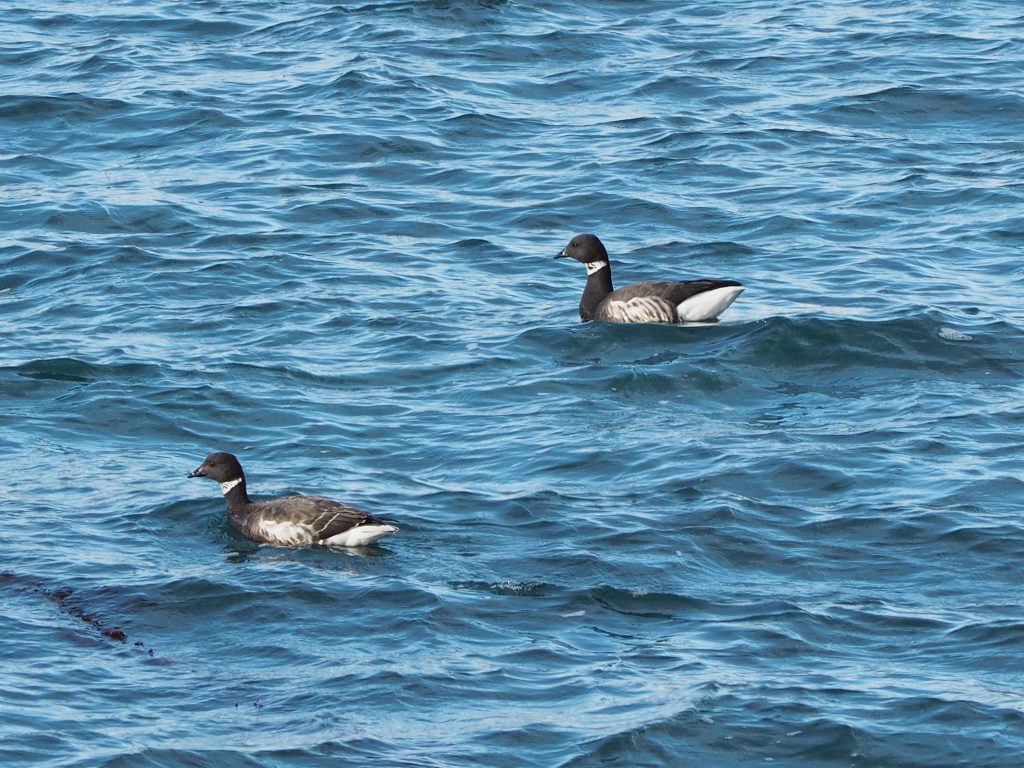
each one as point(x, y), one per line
point(661, 301)
point(292, 521)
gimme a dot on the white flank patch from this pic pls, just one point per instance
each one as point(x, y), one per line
point(640, 309)
point(285, 534)
point(359, 536)
point(225, 487)
point(594, 266)
point(707, 305)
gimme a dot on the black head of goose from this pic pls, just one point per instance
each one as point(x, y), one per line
point(292, 521)
point(657, 301)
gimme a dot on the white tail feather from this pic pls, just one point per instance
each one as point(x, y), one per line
point(359, 536)
point(707, 305)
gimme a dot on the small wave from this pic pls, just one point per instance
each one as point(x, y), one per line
point(952, 334)
point(71, 106)
point(509, 587)
point(920, 108)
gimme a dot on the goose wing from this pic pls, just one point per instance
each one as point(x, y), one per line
point(678, 291)
point(658, 301)
point(298, 520)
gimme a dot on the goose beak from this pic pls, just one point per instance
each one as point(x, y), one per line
point(197, 472)
point(561, 254)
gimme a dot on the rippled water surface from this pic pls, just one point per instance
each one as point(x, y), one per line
point(320, 236)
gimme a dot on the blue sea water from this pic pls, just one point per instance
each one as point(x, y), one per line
point(320, 235)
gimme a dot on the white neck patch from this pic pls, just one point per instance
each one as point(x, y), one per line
point(595, 266)
point(225, 487)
